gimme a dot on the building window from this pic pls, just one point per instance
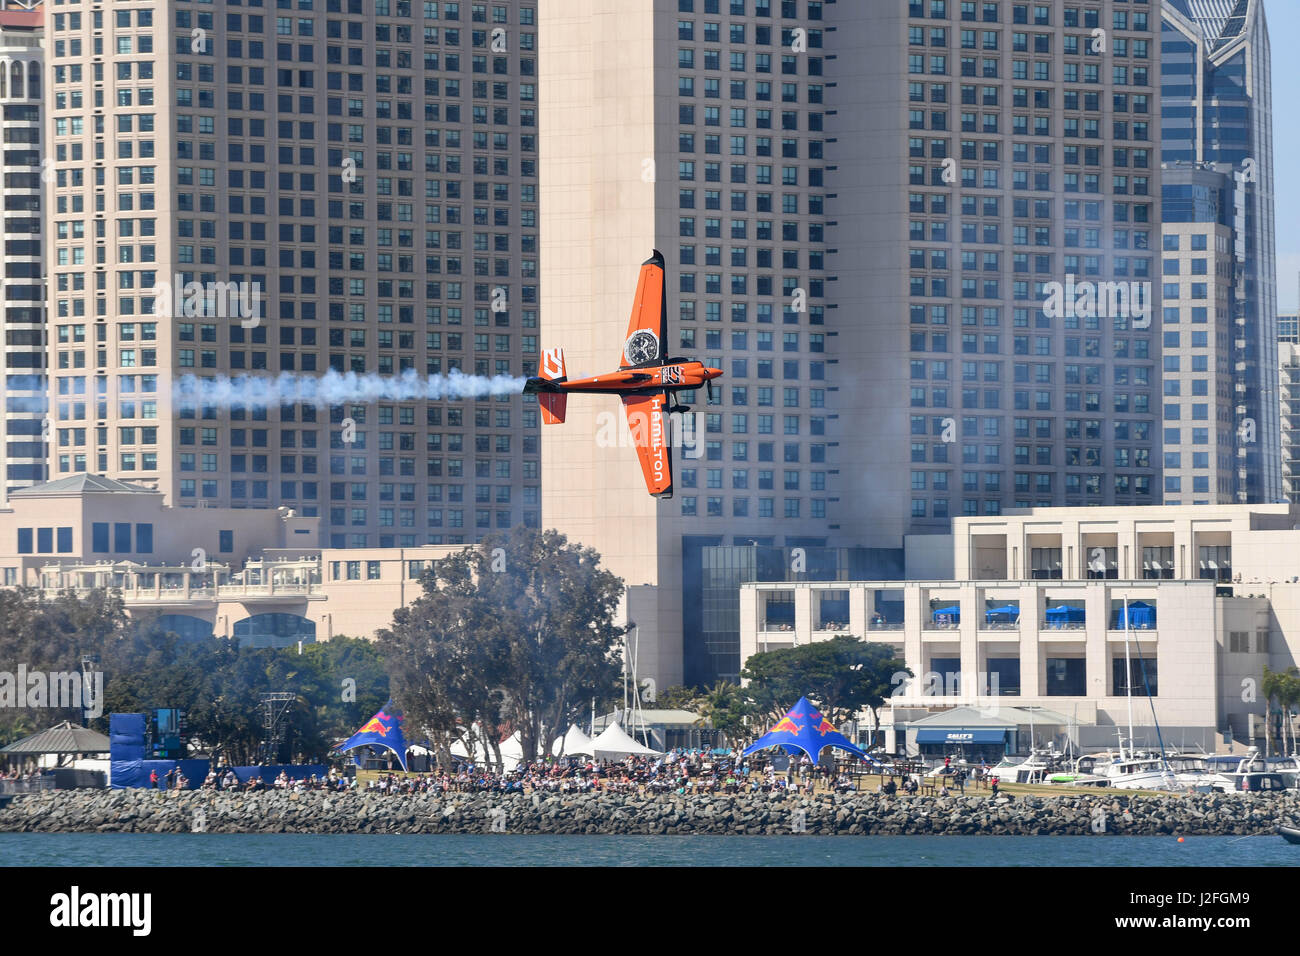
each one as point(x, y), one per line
point(1216, 562)
point(1158, 562)
point(1065, 677)
point(1141, 677)
point(1045, 562)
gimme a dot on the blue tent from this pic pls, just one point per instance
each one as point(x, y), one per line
point(383, 730)
point(1002, 615)
point(1060, 616)
point(1140, 615)
point(950, 615)
point(804, 728)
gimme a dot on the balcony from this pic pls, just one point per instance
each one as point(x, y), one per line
point(160, 585)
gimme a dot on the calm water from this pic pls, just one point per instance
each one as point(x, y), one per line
point(287, 849)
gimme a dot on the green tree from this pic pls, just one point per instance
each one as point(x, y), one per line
point(679, 697)
point(843, 676)
point(728, 708)
point(50, 634)
point(1272, 687)
point(1288, 696)
point(517, 633)
point(217, 684)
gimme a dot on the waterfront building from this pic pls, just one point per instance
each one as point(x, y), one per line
point(1029, 611)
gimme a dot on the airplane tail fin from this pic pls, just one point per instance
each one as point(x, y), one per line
point(551, 368)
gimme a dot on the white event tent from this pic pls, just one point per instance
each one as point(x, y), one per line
point(613, 743)
point(574, 743)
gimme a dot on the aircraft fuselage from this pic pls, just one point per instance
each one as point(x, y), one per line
point(669, 377)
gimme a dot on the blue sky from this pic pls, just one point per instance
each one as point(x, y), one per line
point(1284, 34)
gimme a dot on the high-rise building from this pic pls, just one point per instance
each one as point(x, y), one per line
point(890, 189)
point(699, 131)
point(1288, 365)
point(1003, 243)
point(352, 186)
point(1199, 264)
point(22, 352)
point(1222, 440)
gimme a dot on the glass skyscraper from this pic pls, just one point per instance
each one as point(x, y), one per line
point(1222, 434)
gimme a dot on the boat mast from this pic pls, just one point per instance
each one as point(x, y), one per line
point(1128, 676)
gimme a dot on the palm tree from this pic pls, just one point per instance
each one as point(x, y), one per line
point(1272, 686)
point(1288, 697)
point(725, 706)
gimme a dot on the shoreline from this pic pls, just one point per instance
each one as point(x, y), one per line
point(856, 814)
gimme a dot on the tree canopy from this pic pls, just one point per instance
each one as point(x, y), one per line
point(515, 634)
point(843, 676)
point(215, 682)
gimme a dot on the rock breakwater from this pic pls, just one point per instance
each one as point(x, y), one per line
point(1114, 813)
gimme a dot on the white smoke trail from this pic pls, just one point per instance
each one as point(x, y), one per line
point(334, 388)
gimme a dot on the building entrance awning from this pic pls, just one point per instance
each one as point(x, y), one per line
point(981, 735)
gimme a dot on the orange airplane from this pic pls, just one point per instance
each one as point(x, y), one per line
point(645, 380)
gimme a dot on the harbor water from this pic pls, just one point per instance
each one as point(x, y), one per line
point(363, 849)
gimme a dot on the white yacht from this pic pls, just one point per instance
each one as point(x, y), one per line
point(1253, 773)
point(1130, 769)
point(1289, 768)
point(1080, 773)
point(1032, 769)
point(1141, 772)
point(1192, 770)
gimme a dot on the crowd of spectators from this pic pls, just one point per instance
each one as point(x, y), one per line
point(682, 772)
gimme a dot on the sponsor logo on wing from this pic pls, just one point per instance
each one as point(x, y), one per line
point(641, 346)
point(658, 447)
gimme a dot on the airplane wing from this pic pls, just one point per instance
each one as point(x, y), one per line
point(647, 332)
point(649, 425)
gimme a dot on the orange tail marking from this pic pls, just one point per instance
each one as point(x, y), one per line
point(551, 366)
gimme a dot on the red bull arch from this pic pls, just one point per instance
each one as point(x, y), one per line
point(805, 728)
point(384, 730)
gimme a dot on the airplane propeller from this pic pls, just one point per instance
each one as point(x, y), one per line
point(708, 389)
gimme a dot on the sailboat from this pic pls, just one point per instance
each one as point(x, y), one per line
point(1132, 769)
